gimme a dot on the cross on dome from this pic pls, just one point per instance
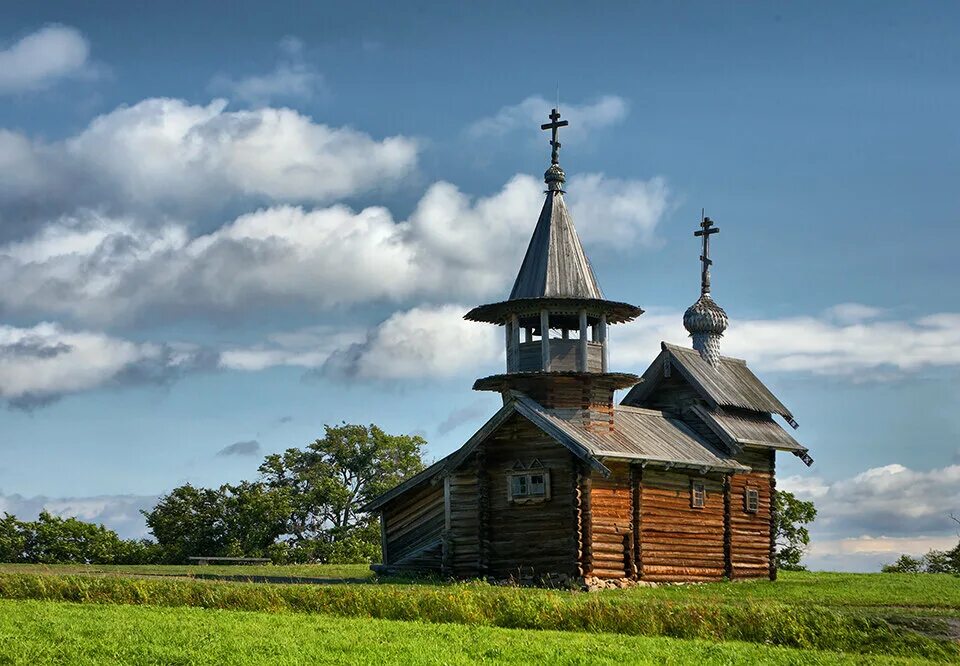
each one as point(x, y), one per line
point(554, 125)
point(706, 230)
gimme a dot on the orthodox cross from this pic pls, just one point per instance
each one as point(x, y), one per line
point(706, 230)
point(554, 125)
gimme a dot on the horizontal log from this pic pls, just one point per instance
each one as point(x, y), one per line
point(608, 573)
point(653, 570)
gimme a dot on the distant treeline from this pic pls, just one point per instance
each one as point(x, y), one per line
point(304, 507)
point(54, 540)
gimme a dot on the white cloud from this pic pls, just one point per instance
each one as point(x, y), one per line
point(292, 78)
point(41, 58)
point(167, 156)
point(104, 269)
point(120, 513)
point(531, 113)
point(831, 344)
point(42, 363)
point(872, 517)
point(419, 343)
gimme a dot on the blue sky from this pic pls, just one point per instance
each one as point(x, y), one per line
point(218, 229)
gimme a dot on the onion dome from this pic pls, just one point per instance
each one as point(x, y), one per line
point(706, 322)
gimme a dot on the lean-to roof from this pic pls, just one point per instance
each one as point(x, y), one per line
point(742, 428)
point(730, 384)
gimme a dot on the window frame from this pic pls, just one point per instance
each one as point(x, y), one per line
point(695, 487)
point(748, 495)
point(527, 498)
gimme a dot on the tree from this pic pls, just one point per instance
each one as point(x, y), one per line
point(328, 483)
point(791, 535)
point(230, 521)
point(935, 561)
point(905, 564)
point(54, 540)
point(13, 539)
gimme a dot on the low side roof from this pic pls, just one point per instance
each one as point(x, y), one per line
point(731, 384)
point(643, 435)
point(649, 435)
point(740, 428)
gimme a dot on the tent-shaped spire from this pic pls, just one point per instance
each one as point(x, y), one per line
point(555, 265)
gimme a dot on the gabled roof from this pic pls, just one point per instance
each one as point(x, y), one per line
point(643, 435)
point(649, 435)
point(555, 265)
point(738, 428)
point(730, 384)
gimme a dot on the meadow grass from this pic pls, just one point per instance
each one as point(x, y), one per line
point(332, 572)
point(38, 633)
point(664, 612)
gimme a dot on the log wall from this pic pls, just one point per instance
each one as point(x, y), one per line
point(463, 522)
point(678, 542)
point(413, 527)
point(534, 537)
point(611, 523)
point(750, 533)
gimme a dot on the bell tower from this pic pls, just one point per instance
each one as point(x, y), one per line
point(556, 321)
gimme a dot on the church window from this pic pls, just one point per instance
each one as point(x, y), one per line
point(698, 494)
point(528, 486)
point(751, 500)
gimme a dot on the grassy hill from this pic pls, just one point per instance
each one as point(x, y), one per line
point(802, 618)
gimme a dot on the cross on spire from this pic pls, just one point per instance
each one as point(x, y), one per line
point(706, 230)
point(554, 125)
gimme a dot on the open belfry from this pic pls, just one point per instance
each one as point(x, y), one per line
point(675, 483)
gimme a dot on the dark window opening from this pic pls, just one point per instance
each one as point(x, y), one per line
point(698, 494)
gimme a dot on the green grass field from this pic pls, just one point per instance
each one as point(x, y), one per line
point(33, 632)
point(802, 618)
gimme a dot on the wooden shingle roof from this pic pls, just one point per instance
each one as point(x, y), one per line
point(644, 435)
point(555, 265)
point(729, 384)
point(737, 428)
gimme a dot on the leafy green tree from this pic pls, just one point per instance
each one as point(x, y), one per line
point(791, 534)
point(905, 564)
point(13, 539)
point(230, 521)
point(331, 479)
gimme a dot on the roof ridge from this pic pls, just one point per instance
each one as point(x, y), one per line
point(668, 346)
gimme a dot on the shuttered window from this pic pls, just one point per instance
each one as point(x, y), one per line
point(751, 500)
point(528, 486)
point(698, 494)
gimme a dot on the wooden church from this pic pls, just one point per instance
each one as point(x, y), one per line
point(675, 483)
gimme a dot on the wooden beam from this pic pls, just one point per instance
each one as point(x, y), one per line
point(384, 559)
point(586, 518)
point(604, 355)
point(636, 490)
point(582, 347)
point(727, 541)
point(545, 340)
point(514, 343)
point(773, 515)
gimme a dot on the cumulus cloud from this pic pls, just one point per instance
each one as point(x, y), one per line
point(871, 518)
point(165, 156)
point(41, 58)
point(120, 513)
point(42, 363)
point(888, 501)
point(530, 114)
point(246, 448)
point(104, 269)
point(292, 79)
point(850, 340)
point(418, 343)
